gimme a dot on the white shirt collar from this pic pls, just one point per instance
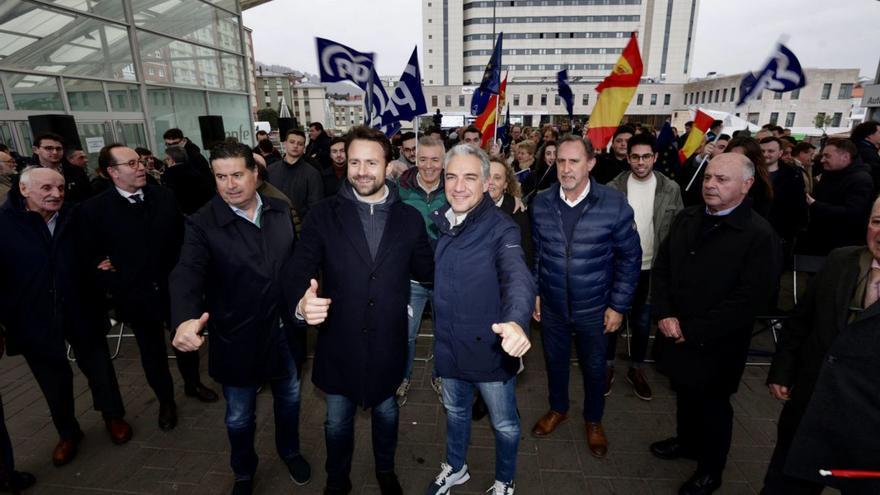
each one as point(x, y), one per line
point(500, 201)
point(376, 202)
point(578, 199)
point(127, 195)
point(425, 188)
point(455, 220)
point(243, 214)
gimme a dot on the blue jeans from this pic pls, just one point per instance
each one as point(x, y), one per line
point(639, 321)
point(241, 424)
point(500, 398)
point(419, 295)
point(339, 435)
point(591, 343)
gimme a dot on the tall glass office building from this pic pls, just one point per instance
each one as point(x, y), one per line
point(126, 70)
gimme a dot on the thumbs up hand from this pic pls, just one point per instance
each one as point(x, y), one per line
point(313, 308)
point(513, 339)
point(188, 336)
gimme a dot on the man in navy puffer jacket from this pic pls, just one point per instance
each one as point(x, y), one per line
point(587, 264)
point(483, 296)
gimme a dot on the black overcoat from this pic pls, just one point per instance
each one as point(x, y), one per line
point(231, 268)
point(45, 293)
point(715, 282)
point(143, 244)
point(362, 346)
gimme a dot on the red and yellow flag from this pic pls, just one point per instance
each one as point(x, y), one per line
point(702, 123)
point(486, 122)
point(615, 93)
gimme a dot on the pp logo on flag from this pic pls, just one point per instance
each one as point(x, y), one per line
point(338, 62)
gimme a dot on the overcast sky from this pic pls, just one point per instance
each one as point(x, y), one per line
point(731, 36)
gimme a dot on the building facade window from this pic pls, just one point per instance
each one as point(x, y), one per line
point(653, 98)
point(845, 91)
point(544, 100)
point(796, 94)
point(667, 99)
point(835, 119)
point(640, 99)
point(530, 100)
point(774, 117)
point(789, 119)
point(826, 91)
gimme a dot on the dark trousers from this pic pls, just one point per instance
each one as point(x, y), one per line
point(241, 425)
point(151, 341)
point(704, 422)
point(55, 378)
point(590, 342)
point(776, 482)
point(7, 461)
point(639, 321)
point(339, 435)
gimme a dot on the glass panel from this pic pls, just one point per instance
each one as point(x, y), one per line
point(26, 137)
point(188, 105)
point(231, 5)
point(190, 20)
point(94, 130)
point(3, 104)
point(124, 97)
point(85, 96)
point(132, 134)
point(37, 37)
point(6, 136)
point(166, 60)
point(236, 115)
point(31, 92)
point(233, 74)
point(162, 112)
point(111, 9)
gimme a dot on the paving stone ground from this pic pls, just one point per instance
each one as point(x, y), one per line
point(193, 459)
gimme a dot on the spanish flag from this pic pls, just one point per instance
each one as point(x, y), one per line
point(702, 123)
point(615, 93)
point(486, 122)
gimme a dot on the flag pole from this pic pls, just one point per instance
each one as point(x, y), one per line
point(368, 114)
point(702, 162)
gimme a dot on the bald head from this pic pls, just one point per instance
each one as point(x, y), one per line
point(727, 181)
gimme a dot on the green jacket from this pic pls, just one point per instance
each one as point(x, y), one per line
point(426, 203)
point(667, 203)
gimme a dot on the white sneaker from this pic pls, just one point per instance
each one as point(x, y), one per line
point(402, 390)
point(447, 479)
point(501, 488)
point(437, 385)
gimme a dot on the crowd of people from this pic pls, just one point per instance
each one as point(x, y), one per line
point(357, 234)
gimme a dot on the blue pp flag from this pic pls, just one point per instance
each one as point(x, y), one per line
point(491, 83)
point(406, 100)
point(565, 91)
point(337, 62)
point(781, 74)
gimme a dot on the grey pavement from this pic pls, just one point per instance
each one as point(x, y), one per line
point(193, 459)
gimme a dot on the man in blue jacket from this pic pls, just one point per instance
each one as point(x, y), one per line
point(483, 295)
point(587, 261)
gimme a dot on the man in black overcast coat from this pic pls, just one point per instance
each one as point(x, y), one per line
point(46, 296)
point(132, 235)
point(716, 270)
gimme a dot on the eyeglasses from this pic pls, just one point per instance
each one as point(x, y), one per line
point(56, 149)
point(636, 158)
point(132, 163)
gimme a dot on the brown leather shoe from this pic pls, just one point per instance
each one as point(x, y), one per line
point(120, 431)
point(596, 440)
point(548, 423)
point(66, 449)
point(636, 378)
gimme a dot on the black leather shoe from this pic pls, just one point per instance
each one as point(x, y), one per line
point(700, 484)
point(201, 392)
point(243, 487)
point(340, 488)
point(480, 410)
point(16, 482)
point(300, 470)
point(388, 484)
point(167, 416)
point(670, 449)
